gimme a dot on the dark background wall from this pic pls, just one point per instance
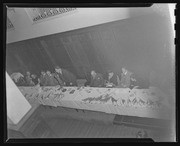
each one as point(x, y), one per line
point(142, 44)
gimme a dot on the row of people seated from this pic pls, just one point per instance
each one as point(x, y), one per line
point(126, 80)
point(63, 77)
point(60, 77)
point(24, 80)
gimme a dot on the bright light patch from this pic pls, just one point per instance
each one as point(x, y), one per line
point(171, 12)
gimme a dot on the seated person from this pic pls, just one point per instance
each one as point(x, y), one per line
point(66, 76)
point(28, 78)
point(35, 79)
point(96, 79)
point(21, 82)
point(42, 79)
point(51, 80)
point(130, 80)
point(86, 76)
point(139, 82)
point(81, 82)
point(57, 79)
point(88, 79)
point(112, 79)
point(18, 78)
point(125, 81)
point(133, 82)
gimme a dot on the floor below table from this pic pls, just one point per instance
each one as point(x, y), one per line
point(50, 122)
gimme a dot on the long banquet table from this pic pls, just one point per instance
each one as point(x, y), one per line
point(151, 103)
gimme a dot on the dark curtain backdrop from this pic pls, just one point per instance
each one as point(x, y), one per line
point(141, 44)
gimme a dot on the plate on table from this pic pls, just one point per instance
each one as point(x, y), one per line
point(71, 94)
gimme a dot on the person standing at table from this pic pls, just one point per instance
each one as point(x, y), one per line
point(66, 76)
point(96, 79)
point(53, 80)
point(57, 80)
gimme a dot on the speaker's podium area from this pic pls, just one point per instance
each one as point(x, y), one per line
point(81, 76)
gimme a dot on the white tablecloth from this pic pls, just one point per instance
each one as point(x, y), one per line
point(150, 103)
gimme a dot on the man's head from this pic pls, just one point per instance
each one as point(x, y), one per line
point(33, 76)
point(124, 70)
point(48, 72)
point(58, 69)
point(93, 73)
point(110, 73)
point(43, 73)
point(28, 73)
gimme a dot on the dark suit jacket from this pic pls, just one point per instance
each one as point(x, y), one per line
point(113, 80)
point(43, 80)
point(29, 81)
point(21, 82)
point(98, 81)
point(68, 77)
point(52, 80)
point(56, 79)
point(88, 78)
point(35, 80)
point(126, 79)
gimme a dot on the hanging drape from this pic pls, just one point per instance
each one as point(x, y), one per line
point(77, 55)
point(85, 53)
